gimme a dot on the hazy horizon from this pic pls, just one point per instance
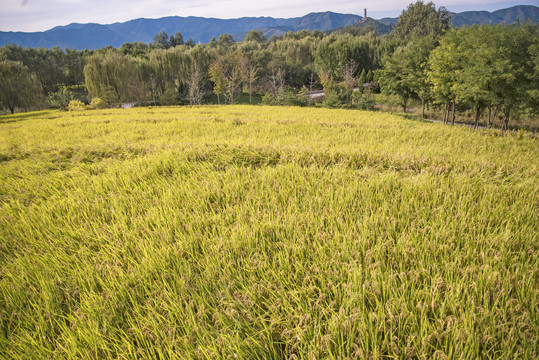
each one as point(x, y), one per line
point(34, 16)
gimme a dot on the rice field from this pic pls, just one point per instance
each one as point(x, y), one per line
point(251, 232)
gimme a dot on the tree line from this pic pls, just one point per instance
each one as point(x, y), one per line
point(492, 70)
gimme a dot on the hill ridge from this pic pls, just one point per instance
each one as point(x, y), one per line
point(200, 29)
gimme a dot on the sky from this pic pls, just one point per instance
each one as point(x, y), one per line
point(41, 15)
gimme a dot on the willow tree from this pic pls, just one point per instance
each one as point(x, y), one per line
point(108, 76)
point(172, 68)
point(18, 88)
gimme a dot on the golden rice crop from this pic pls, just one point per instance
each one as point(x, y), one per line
point(265, 232)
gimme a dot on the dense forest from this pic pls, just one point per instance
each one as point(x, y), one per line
point(489, 71)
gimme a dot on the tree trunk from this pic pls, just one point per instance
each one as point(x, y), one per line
point(506, 113)
point(495, 113)
point(453, 116)
point(423, 107)
point(489, 123)
point(218, 100)
point(477, 115)
point(12, 109)
point(444, 117)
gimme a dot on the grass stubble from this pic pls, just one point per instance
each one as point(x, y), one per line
point(265, 232)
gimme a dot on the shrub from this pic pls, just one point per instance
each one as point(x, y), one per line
point(60, 99)
point(363, 101)
point(76, 105)
point(269, 99)
point(299, 99)
point(332, 100)
point(169, 97)
point(373, 87)
point(98, 103)
point(292, 99)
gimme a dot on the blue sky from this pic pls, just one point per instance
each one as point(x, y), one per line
point(40, 15)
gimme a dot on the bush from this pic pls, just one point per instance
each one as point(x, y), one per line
point(299, 99)
point(269, 99)
point(373, 87)
point(169, 97)
point(76, 105)
point(332, 100)
point(388, 99)
point(60, 99)
point(363, 101)
point(98, 103)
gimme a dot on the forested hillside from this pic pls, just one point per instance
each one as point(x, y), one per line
point(484, 74)
point(507, 16)
point(201, 30)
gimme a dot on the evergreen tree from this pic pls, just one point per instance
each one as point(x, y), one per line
point(362, 79)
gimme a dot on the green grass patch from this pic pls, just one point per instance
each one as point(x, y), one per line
point(265, 232)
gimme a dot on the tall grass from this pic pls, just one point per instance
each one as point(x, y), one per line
point(265, 232)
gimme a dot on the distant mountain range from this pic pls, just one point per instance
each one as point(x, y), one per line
point(503, 16)
point(95, 36)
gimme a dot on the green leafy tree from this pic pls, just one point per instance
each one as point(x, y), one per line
point(136, 49)
point(74, 62)
point(415, 58)
point(225, 41)
point(232, 76)
point(196, 88)
point(256, 36)
point(47, 64)
point(516, 69)
point(404, 72)
point(362, 79)
point(170, 70)
point(443, 66)
point(217, 76)
point(19, 88)
point(249, 74)
point(60, 99)
point(176, 40)
point(394, 79)
point(160, 40)
point(350, 78)
point(420, 19)
point(109, 75)
point(370, 76)
point(487, 67)
point(478, 58)
point(533, 89)
point(275, 85)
